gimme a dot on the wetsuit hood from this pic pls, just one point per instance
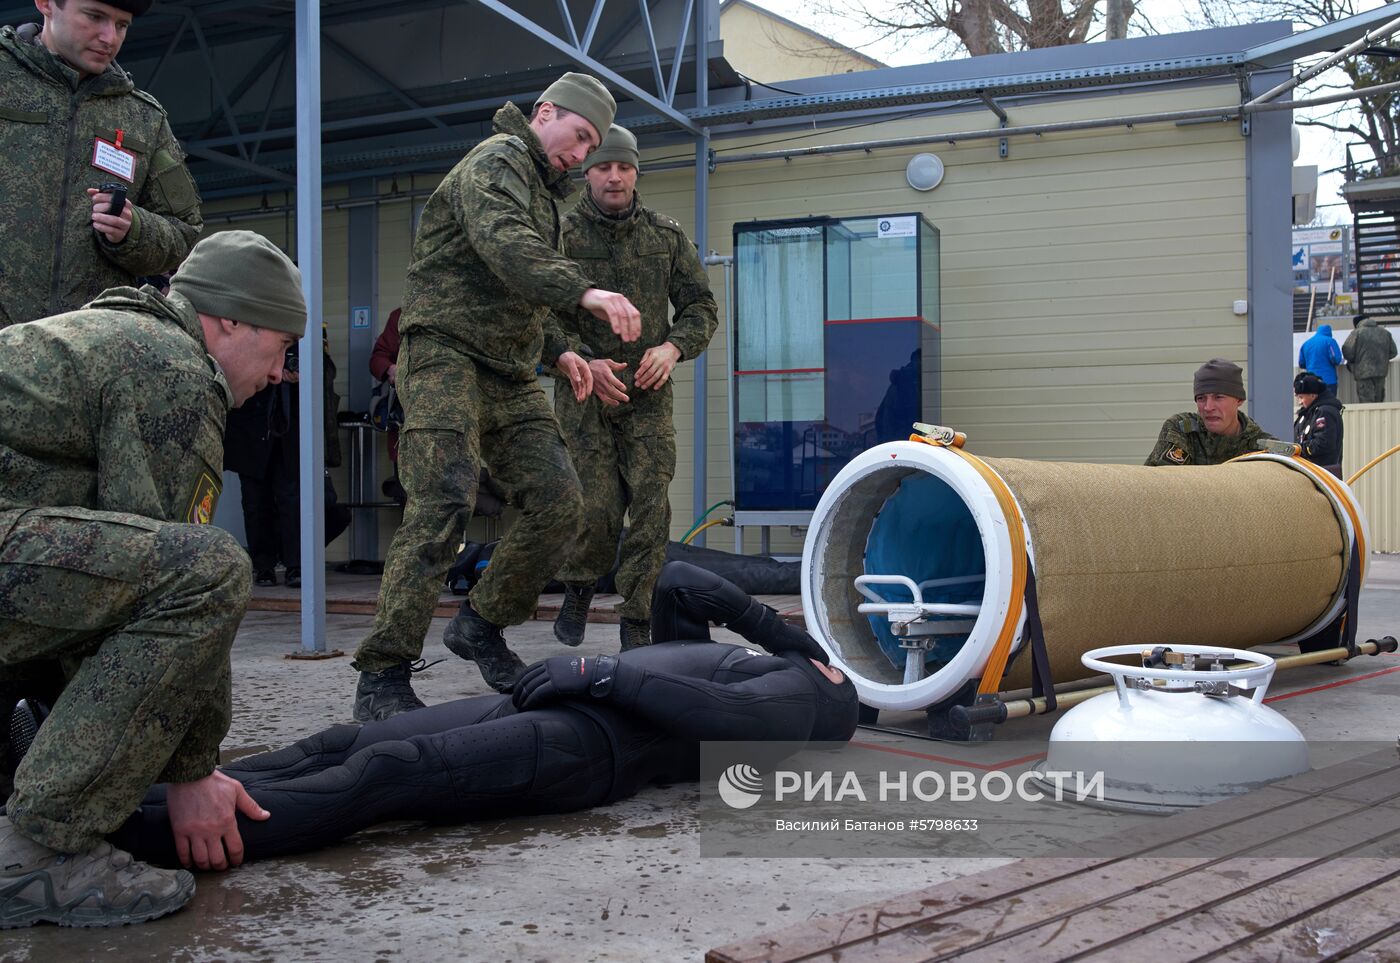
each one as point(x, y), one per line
point(838, 706)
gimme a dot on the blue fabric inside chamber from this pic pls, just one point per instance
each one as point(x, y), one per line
point(924, 531)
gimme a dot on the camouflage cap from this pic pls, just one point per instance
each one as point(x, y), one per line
point(619, 145)
point(1219, 377)
point(244, 277)
point(585, 96)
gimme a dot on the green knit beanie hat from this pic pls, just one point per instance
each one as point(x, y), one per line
point(585, 96)
point(619, 145)
point(244, 277)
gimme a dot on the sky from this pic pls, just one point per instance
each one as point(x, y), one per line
point(1319, 147)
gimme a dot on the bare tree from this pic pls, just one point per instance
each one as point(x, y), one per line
point(985, 26)
point(1370, 121)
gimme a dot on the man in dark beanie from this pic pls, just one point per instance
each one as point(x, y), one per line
point(623, 438)
point(486, 274)
point(1217, 430)
point(76, 127)
point(113, 579)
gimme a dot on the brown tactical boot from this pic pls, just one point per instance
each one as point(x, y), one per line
point(101, 887)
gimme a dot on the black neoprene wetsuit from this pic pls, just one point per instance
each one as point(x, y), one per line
point(481, 758)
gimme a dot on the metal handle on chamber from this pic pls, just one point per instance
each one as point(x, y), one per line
point(1256, 674)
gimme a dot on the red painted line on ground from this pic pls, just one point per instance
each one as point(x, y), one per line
point(957, 762)
point(1333, 685)
point(771, 371)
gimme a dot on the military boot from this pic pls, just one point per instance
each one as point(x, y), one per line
point(386, 693)
point(572, 620)
point(635, 633)
point(473, 638)
point(101, 887)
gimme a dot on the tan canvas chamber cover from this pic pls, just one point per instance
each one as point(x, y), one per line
point(1235, 555)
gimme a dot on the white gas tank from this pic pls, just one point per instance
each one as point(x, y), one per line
point(1187, 731)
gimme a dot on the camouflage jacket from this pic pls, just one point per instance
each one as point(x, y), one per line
point(116, 408)
point(1184, 440)
point(486, 266)
point(1368, 350)
point(647, 257)
point(52, 260)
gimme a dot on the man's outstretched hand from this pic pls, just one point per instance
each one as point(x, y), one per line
point(616, 309)
point(204, 820)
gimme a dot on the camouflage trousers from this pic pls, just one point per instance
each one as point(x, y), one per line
point(625, 459)
point(139, 616)
point(1370, 390)
point(457, 414)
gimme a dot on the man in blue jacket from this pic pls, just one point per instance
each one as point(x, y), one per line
point(1320, 355)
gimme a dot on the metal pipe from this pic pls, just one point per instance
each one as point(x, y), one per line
point(1202, 114)
point(1385, 30)
point(312, 427)
point(727, 260)
point(1020, 708)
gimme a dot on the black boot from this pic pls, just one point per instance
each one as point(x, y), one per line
point(386, 693)
point(572, 620)
point(473, 638)
point(635, 633)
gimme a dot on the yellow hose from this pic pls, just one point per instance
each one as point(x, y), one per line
point(1372, 464)
point(716, 521)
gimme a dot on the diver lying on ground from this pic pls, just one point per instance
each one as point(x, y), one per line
point(579, 731)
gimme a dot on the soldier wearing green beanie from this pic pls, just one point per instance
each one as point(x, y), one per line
point(485, 277)
point(623, 438)
point(111, 434)
point(1217, 430)
point(77, 126)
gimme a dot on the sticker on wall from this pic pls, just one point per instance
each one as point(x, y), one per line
point(897, 227)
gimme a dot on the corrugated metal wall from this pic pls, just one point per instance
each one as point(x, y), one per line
point(1371, 430)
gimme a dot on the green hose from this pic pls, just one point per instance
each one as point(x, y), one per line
point(701, 520)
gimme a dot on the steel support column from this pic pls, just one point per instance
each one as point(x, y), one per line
point(364, 301)
point(1268, 227)
point(312, 426)
point(700, 487)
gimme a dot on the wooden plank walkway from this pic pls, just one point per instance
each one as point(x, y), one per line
point(1249, 897)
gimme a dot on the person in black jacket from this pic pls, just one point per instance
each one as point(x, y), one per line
point(262, 445)
point(1318, 427)
point(578, 731)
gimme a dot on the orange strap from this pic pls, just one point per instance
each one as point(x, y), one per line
point(1020, 564)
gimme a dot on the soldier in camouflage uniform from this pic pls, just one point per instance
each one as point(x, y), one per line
point(622, 439)
point(72, 121)
point(1217, 430)
point(1368, 350)
point(485, 274)
point(111, 446)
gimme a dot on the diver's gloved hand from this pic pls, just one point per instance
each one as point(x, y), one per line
point(761, 625)
point(564, 677)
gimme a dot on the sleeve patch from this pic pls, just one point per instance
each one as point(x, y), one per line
point(1320, 423)
point(203, 500)
point(1176, 455)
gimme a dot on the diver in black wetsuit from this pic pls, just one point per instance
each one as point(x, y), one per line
point(578, 731)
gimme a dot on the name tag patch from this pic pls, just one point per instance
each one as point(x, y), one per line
point(113, 159)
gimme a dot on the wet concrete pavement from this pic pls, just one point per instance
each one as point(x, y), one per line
point(626, 882)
